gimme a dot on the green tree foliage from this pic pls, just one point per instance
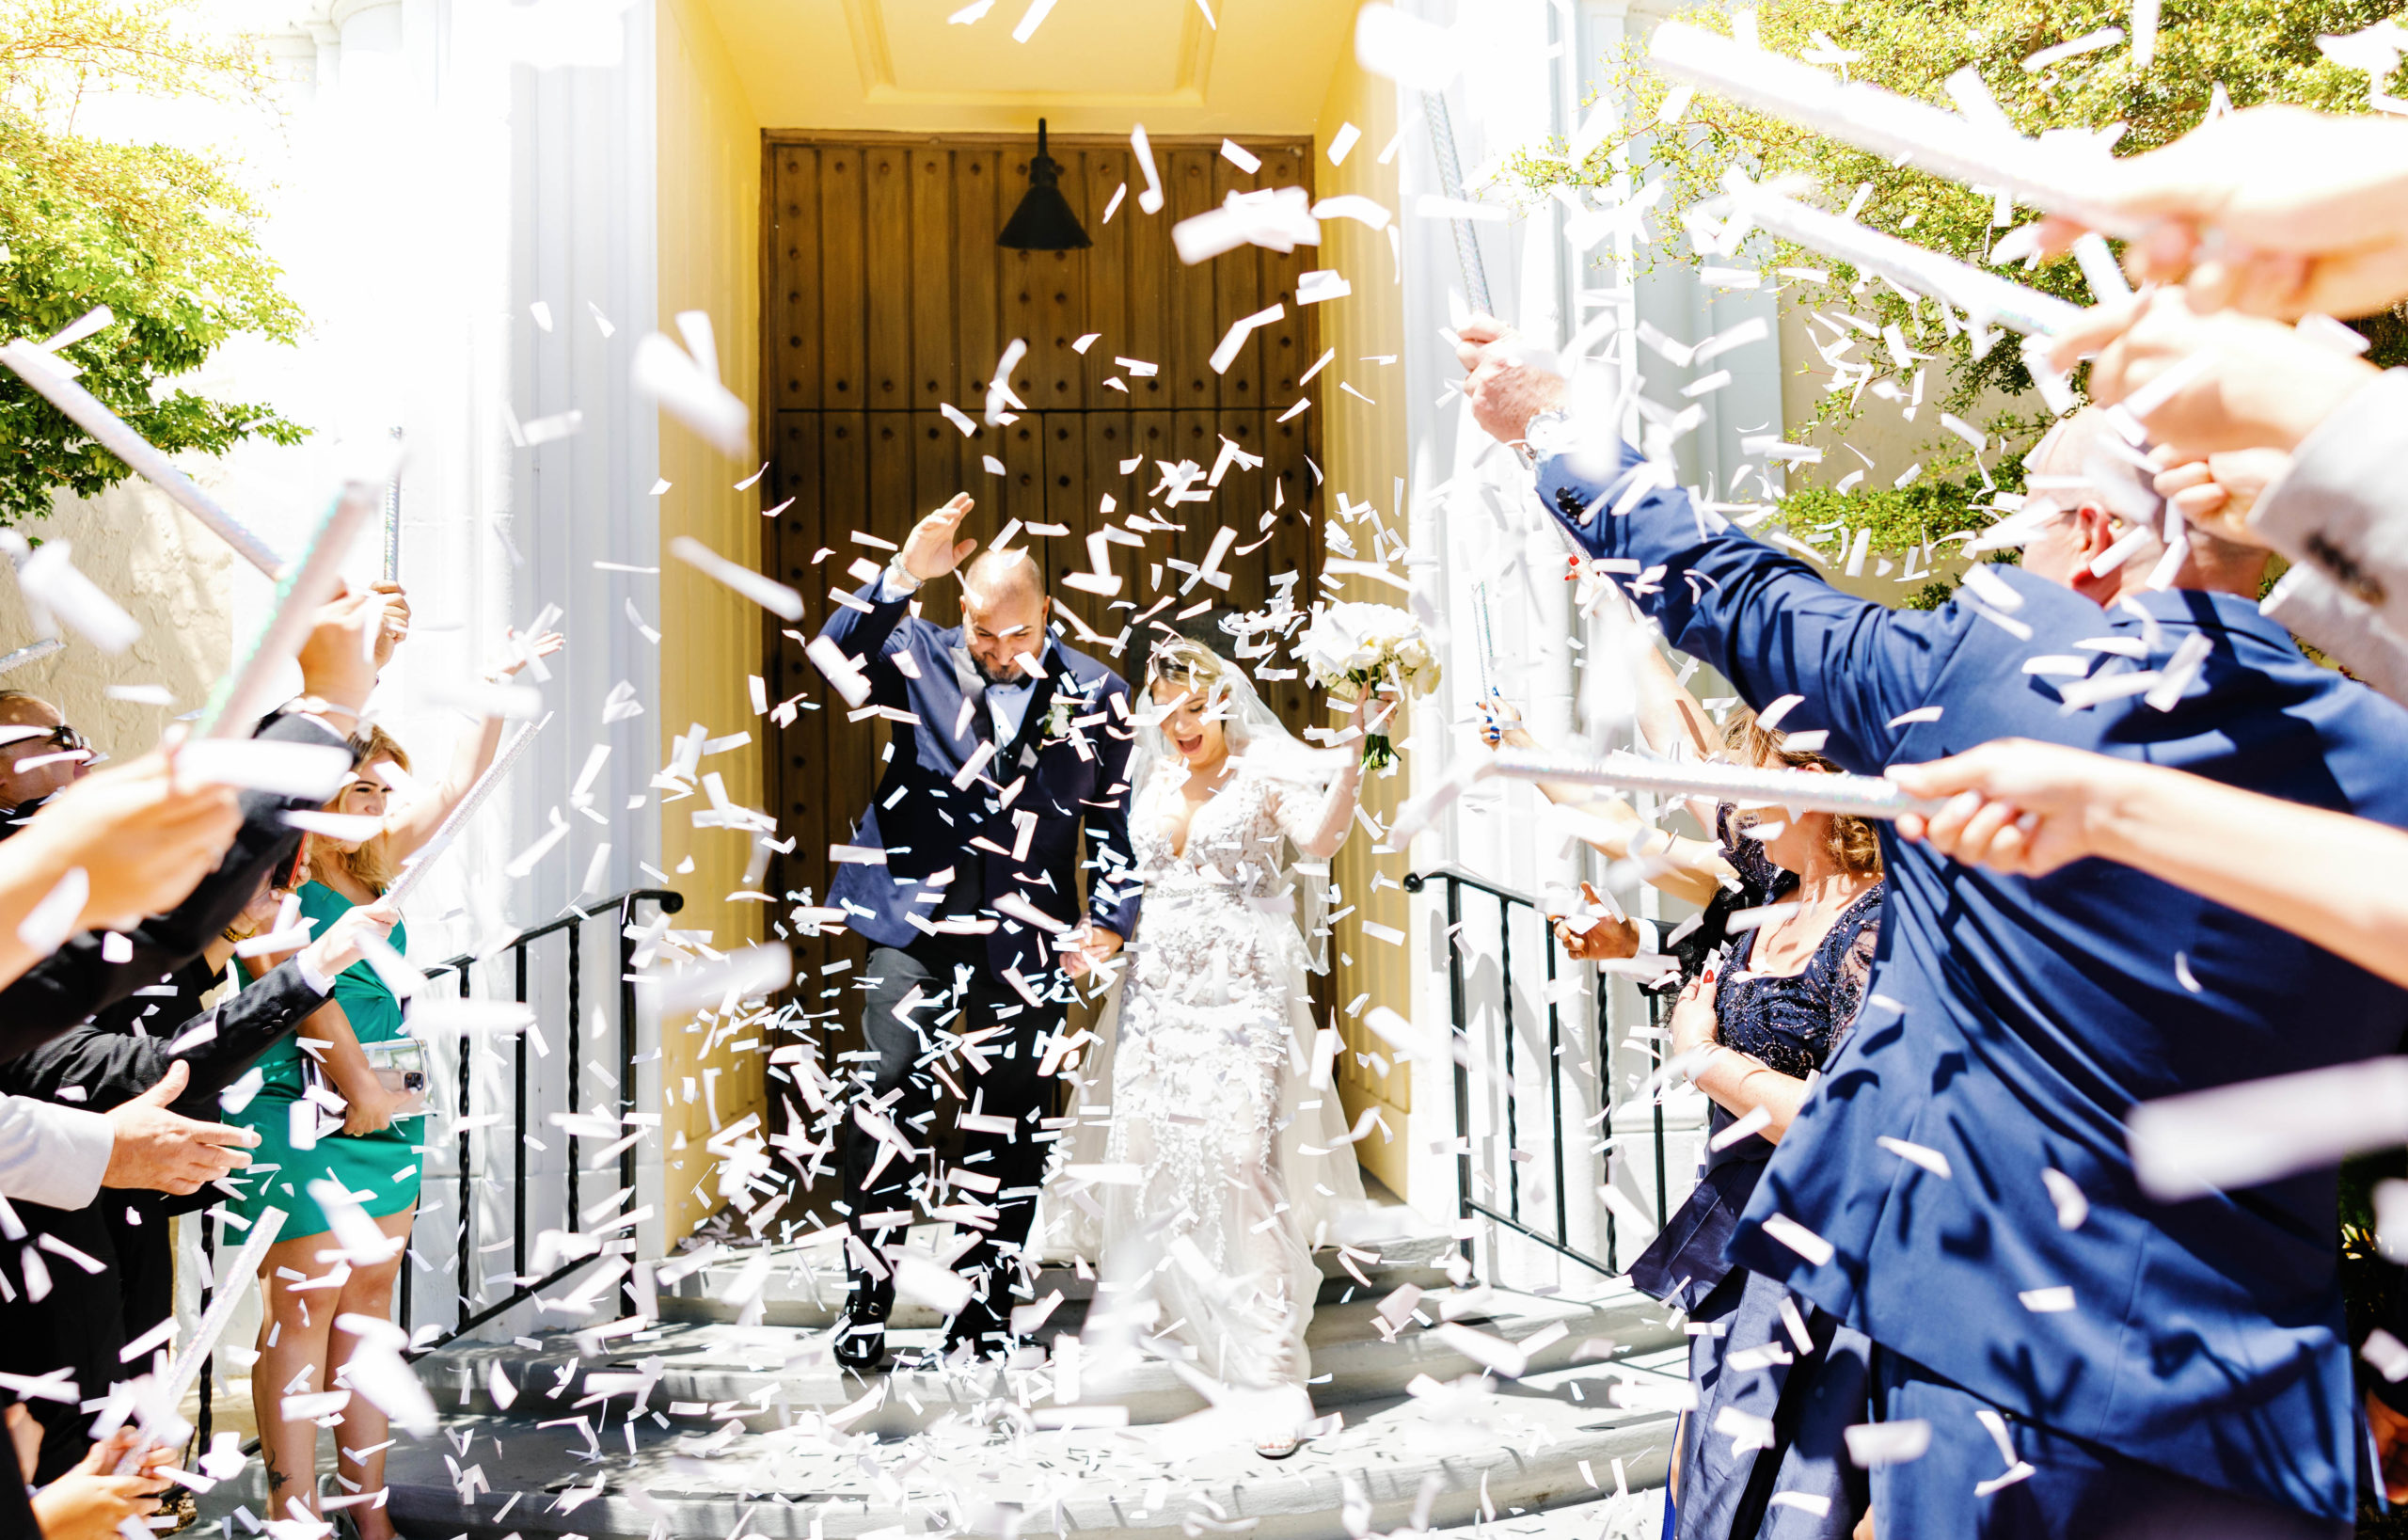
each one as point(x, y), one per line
point(165, 238)
point(2209, 53)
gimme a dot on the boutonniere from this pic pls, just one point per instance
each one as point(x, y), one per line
point(1057, 717)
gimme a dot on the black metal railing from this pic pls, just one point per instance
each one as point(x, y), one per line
point(1558, 1236)
point(618, 911)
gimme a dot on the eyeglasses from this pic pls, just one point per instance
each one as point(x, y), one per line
point(60, 739)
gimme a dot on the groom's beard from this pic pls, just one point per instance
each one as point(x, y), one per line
point(1014, 676)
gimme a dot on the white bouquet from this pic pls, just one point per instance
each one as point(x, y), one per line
point(1349, 649)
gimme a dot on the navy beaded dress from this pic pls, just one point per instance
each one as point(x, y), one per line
point(1769, 1417)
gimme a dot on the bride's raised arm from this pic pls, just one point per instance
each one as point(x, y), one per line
point(1317, 836)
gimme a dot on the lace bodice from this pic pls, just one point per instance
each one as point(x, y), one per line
point(1233, 842)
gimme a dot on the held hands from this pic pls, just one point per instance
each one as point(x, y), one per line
point(372, 1112)
point(143, 841)
point(340, 946)
point(394, 628)
point(352, 638)
point(1501, 723)
point(536, 646)
point(2277, 211)
point(1693, 1019)
point(166, 1151)
point(1506, 390)
point(89, 1503)
point(2018, 807)
point(2265, 385)
point(2390, 1430)
point(930, 550)
point(2216, 492)
point(1603, 940)
point(1092, 945)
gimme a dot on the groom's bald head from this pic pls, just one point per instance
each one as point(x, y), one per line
point(1002, 609)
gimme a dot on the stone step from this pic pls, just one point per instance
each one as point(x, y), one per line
point(763, 1376)
point(806, 1283)
point(1455, 1452)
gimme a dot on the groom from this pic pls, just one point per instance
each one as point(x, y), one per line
point(1006, 745)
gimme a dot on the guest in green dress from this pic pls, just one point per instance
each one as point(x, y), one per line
point(374, 1150)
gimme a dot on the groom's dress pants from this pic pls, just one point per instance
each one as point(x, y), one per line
point(950, 974)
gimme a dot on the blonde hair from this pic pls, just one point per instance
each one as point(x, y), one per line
point(1853, 844)
point(1185, 661)
point(370, 866)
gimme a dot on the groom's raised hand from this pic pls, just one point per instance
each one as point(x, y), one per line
point(930, 553)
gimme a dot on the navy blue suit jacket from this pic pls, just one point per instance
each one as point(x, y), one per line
point(2011, 1023)
point(1072, 779)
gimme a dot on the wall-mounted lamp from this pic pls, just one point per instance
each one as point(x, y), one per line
point(1044, 221)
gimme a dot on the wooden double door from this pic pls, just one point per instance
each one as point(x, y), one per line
point(886, 301)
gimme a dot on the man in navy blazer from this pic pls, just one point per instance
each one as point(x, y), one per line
point(1958, 1185)
point(1006, 749)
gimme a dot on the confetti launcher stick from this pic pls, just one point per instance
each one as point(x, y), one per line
point(44, 372)
point(1805, 791)
point(234, 1283)
point(1986, 297)
point(32, 653)
point(1884, 122)
point(451, 827)
point(1450, 183)
point(244, 694)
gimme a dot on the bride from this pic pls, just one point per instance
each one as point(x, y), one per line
point(1240, 1162)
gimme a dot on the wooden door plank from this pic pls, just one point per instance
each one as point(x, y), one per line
point(887, 277)
point(794, 286)
point(841, 278)
point(1195, 323)
point(977, 275)
point(1283, 349)
point(934, 333)
point(1237, 290)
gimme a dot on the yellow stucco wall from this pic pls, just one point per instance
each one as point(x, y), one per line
point(1363, 443)
point(709, 191)
point(1093, 66)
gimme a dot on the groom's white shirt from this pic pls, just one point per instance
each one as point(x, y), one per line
point(1006, 704)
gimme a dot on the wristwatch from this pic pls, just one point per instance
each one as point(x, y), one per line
point(1549, 432)
point(900, 576)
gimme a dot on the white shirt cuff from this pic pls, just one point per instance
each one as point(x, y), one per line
point(318, 983)
point(51, 1154)
point(890, 591)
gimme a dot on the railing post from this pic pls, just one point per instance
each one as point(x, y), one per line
point(626, 1037)
point(1604, 1105)
point(576, 1064)
point(1512, 1069)
point(518, 1127)
point(1555, 1091)
point(467, 1187)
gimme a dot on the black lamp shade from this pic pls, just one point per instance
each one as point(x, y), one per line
point(1044, 221)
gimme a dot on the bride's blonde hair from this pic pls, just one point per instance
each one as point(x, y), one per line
point(1184, 660)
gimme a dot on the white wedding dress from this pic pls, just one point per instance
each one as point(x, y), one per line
point(1221, 1164)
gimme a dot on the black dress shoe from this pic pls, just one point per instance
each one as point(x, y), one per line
point(861, 1342)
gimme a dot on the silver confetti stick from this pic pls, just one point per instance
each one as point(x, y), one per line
point(1926, 137)
point(1450, 183)
point(451, 827)
point(246, 693)
point(1804, 791)
point(1984, 297)
point(1807, 791)
point(39, 369)
point(32, 653)
point(234, 1283)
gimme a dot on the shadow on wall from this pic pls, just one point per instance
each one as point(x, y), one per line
point(171, 575)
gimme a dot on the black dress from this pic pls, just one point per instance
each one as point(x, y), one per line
point(1755, 1383)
